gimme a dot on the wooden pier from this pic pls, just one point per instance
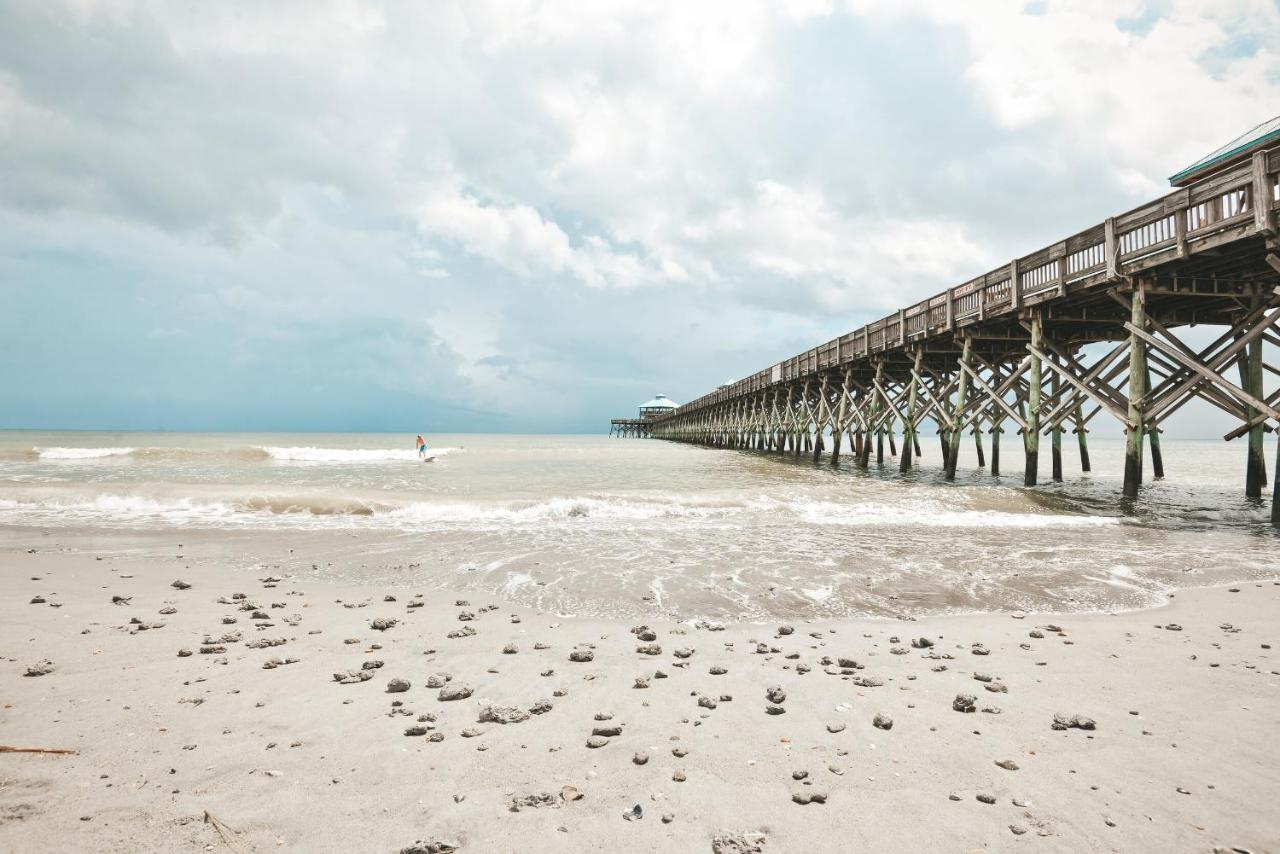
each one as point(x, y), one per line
point(634, 428)
point(1087, 326)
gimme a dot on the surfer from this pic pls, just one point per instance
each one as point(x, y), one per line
point(422, 448)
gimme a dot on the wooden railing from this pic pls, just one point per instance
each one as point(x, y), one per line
point(1233, 204)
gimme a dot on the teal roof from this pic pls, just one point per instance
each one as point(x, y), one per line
point(659, 402)
point(1264, 132)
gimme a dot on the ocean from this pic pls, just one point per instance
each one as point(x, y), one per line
point(629, 527)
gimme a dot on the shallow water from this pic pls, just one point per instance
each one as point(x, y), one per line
point(589, 524)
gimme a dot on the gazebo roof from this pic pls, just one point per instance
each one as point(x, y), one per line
point(1234, 150)
point(659, 402)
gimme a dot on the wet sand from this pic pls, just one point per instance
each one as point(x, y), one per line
point(762, 737)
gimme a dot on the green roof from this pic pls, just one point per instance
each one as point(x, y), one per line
point(1264, 132)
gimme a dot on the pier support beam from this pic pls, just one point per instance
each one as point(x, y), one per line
point(1251, 380)
point(1081, 434)
point(1136, 429)
point(995, 448)
point(953, 450)
point(1056, 435)
point(1031, 437)
point(977, 446)
point(909, 438)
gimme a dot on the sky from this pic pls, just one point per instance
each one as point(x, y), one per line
point(528, 216)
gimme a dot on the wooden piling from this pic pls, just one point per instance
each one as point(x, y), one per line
point(909, 438)
point(1251, 379)
point(977, 445)
point(1031, 436)
point(953, 450)
point(1135, 430)
point(1082, 441)
point(995, 448)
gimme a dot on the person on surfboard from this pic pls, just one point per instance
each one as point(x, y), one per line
point(422, 448)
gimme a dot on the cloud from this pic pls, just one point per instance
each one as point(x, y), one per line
point(534, 212)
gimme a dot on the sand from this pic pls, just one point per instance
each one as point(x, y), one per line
point(212, 752)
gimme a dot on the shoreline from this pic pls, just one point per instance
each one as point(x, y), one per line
point(289, 759)
point(371, 560)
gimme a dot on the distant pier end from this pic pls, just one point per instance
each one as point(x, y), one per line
point(638, 428)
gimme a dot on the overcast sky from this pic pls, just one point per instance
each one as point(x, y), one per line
point(527, 216)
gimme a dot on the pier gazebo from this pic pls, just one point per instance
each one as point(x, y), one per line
point(659, 407)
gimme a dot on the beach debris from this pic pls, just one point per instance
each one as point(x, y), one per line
point(398, 686)
point(503, 715)
point(381, 624)
point(882, 721)
point(804, 797)
point(534, 801)
point(372, 664)
point(180, 585)
point(996, 687)
point(40, 668)
point(121, 600)
point(633, 814)
point(437, 680)
point(349, 677)
point(706, 702)
point(464, 632)
point(649, 649)
point(597, 741)
point(752, 842)
point(1007, 764)
point(430, 847)
point(985, 798)
point(965, 703)
point(273, 663)
point(263, 643)
point(540, 707)
point(683, 652)
point(608, 731)
point(458, 691)
point(5, 748)
point(1073, 722)
point(640, 758)
point(775, 694)
point(786, 630)
point(641, 682)
point(835, 727)
point(511, 649)
point(183, 653)
point(582, 655)
point(679, 776)
point(921, 643)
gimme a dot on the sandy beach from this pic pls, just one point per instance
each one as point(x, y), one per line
point(250, 709)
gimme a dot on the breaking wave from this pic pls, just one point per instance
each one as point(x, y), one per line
point(415, 515)
point(244, 453)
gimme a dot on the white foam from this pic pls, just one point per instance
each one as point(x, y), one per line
point(82, 453)
point(310, 454)
point(933, 514)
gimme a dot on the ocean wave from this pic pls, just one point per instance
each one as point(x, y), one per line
point(936, 514)
point(311, 454)
point(592, 510)
point(81, 453)
point(243, 453)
